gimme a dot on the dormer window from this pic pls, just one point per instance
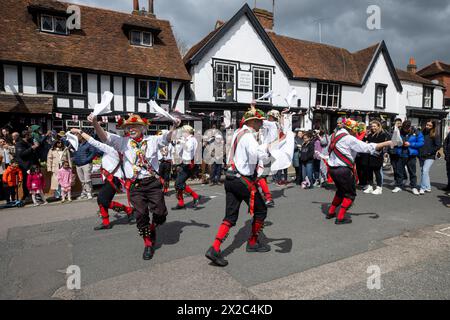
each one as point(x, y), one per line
point(141, 38)
point(54, 24)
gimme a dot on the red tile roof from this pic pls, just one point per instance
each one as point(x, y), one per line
point(101, 45)
point(34, 104)
point(411, 77)
point(436, 67)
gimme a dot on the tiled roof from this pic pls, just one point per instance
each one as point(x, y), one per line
point(411, 77)
point(101, 45)
point(435, 68)
point(35, 104)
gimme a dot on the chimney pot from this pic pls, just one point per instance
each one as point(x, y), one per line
point(412, 66)
point(135, 6)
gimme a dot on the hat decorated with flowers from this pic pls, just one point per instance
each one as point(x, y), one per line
point(133, 120)
point(274, 113)
point(254, 114)
point(351, 124)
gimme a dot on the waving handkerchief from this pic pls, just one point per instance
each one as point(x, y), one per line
point(103, 107)
point(73, 140)
point(154, 106)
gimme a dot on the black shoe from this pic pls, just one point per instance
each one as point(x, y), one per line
point(148, 253)
point(258, 247)
point(330, 216)
point(270, 204)
point(196, 202)
point(344, 221)
point(103, 227)
point(178, 207)
point(216, 257)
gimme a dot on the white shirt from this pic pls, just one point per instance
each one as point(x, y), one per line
point(110, 158)
point(189, 149)
point(350, 147)
point(167, 149)
point(123, 145)
point(248, 152)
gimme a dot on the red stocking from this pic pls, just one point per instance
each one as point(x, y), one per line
point(257, 226)
point(346, 204)
point(180, 198)
point(265, 189)
point(105, 215)
point(221, 234)
point(336, 203)
point(191, 192)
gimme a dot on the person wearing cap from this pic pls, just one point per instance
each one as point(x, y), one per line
point(186, 168)
point(113, 178)
point(343, 149)
point(240, 185)
point(140, 164)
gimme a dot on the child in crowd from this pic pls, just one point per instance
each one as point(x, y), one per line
point(12, 179)
point(307, 160)
point(65, 177)
point(36, 184)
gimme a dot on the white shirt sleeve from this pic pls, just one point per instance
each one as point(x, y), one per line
point(102, 146)
point(117, 142)
point(360, 146)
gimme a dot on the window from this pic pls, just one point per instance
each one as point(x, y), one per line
point(225, 74)
point(141, 38)
point(380, 96)
point(62, 82)
point(261, 83)
point(428, 97)
point(53, 24)
point(148, 90)
point(328, 95)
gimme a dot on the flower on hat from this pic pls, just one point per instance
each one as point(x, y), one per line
point(145, 120)
point(120, 122)
point(134, 119)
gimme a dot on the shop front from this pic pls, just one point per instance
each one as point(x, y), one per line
point(420, 116)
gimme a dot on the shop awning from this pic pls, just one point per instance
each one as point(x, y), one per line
point(426, 113)
point(31, 104)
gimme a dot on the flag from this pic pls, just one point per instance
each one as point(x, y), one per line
point(117, 118)
point(74, 117)
point(161, 92)
point(105, 119)
point(58, 115)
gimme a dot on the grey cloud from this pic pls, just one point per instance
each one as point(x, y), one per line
point(410, 27)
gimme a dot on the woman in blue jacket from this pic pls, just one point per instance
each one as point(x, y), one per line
point(413, 140)
point(428, 155)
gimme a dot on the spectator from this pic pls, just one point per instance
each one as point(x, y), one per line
point(394, 158)
point(447, 160)
point(36, 184)
point(5, 134)
point(12, 179)
point(432, 144)
point(47, 142)
point(27, 156)
point(320, 144)
point(375, 161)
point(296, 159)
point(412, 142)
point(65, 180)
point(82, 158)
point(217, 155)
point(55, 159)
point(307, 160)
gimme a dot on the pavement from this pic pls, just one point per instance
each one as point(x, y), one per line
point(399, 242)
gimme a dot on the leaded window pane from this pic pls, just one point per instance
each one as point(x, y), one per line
point(63, 82)
point(76, 83)
point(49, 81)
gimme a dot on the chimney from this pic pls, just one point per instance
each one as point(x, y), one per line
point(412, 66)
point(265, 18)
point(151, 8)
point(135, 6)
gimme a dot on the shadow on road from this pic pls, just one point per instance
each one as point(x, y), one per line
point(445, 200)
point(170, 232)
point(284, 244)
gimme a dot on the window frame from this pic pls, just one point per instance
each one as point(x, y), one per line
point(141, 41)
point(431, 99)
point(147, 97)
point(384, 88)
point(329, 95)
point(53, 30)
point(216, 81)
point(259, 69)
point(55, 77)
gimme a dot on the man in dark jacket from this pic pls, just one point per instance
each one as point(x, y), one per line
point(447, 159)
point(26, 155)
point(82, 158)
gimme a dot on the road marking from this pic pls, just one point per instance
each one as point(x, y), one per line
point(443, 232)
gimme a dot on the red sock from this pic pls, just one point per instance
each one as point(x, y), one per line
point(344, 207)
point(265, 189)
point(256, 229)
point(191, 192)
point(180, 198)
point(221, 234)
point(105, 215)
point(147, 242)
point(166, 190)
point(336, 203)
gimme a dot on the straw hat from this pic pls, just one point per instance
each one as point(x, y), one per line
point(133, 120)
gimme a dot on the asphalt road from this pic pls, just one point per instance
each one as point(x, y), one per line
point(310, 259)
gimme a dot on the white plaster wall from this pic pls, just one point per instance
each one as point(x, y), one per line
point(92, 89)
point(118, 94)
point(130, 95)
point(105, 84)
point(29, 80)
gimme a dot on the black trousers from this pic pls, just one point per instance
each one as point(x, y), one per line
point(236, 192)
point(374, 171)
point(26, 192)
point(165, 168)
point(184, 173)
point(107, 193)
point(147, 195)
point(411, 165)
point(394, 163)
point(298, 175)
point(345, 182)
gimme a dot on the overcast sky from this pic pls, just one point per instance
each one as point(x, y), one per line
point(418, 28)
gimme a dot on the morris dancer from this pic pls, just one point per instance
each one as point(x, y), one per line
point(187, 168)
point(140, 163)
point(113, 177)
point(343, 149)
point(240, 185)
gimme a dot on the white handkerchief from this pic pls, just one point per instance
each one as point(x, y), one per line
point(103, 107)
point(154, 106)
point(73, 140)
